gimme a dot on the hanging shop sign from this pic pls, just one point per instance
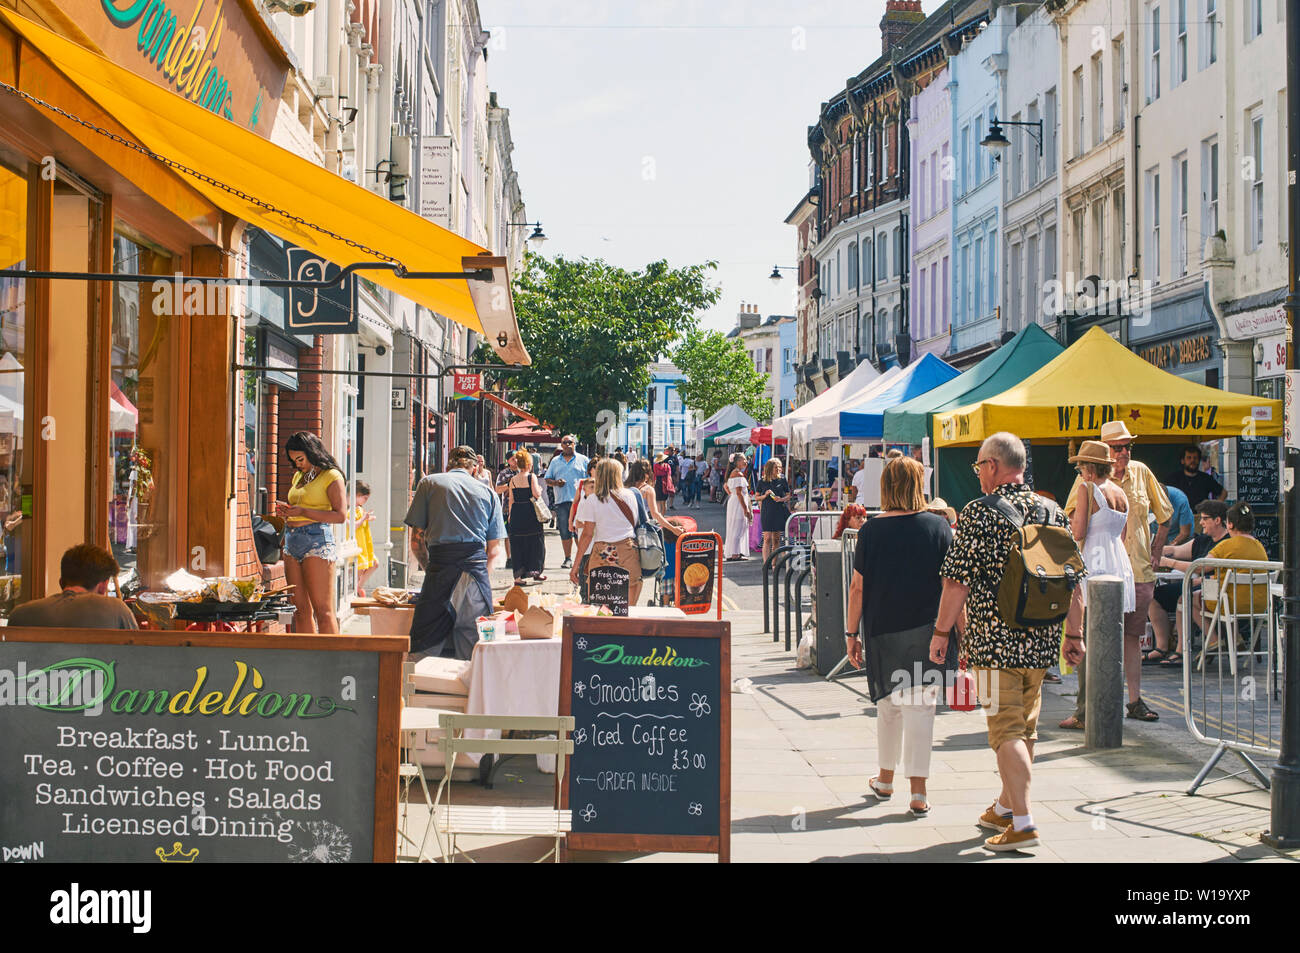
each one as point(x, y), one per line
point(435, 180)
point(1257, 323)
point(466, 386)
point(330, 310)
point(208, 51)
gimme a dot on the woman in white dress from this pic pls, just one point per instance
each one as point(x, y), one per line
point(739, 511)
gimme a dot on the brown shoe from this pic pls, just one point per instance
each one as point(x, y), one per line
point(1073, 723)
point(993, 821)
point(1011, 839)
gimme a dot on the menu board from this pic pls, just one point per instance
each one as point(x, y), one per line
point(1268, 530)
point(608, 586)
point(651, 762)
point(184, 753)
point(1257, 470)
point(699, 572)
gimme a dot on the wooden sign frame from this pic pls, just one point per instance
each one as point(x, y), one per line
point(391, 648)
point(657, 629)
point(717, 574)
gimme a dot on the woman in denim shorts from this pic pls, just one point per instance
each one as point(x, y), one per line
point(316, 498)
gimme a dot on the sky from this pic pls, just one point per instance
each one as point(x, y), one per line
point(674, 129)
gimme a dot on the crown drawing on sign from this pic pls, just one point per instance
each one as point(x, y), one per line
point(177, 856)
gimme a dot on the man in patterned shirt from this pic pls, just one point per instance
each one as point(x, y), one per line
point(1008, 662)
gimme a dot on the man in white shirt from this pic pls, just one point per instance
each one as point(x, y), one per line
point(860, 484)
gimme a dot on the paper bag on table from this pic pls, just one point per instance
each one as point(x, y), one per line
point(516, 601)
point(536, 623)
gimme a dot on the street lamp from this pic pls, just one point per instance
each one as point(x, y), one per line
point(775, 276)
point(537, 239)
point(997, 141)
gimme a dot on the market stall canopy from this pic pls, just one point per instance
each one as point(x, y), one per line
point(724, 421)
point(762, 436)
point(857, 380)
point(1097, 379)
point(1025, 353)
point(826, 425)
point(736, 435)
point(277, 190)
point(867, 420)
point(525, 432)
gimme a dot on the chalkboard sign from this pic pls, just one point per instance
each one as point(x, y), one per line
point(608, 586)
point(173, 748)
point(651, 762)
point(1257, 470)
point(1268, 530)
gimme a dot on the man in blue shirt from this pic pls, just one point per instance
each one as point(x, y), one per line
point(1180, 525)
point(563, 475)
point(456, 532)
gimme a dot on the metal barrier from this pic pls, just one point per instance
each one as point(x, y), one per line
point(773, 565)
point(1222, 676)
point(821, 525)
point(797, 563)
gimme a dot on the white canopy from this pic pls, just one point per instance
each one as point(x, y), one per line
point(728, 418)
point(825, 425)
point(861, 376)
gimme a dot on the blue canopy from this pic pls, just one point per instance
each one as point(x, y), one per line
point(867, 420)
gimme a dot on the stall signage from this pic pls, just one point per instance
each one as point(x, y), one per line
point(208, 51)
point(178, 754)
point(1190, 350)
point(331, 310)
point(699, 572)
point(609, 586)
point(1258, 470)
point(651, 762)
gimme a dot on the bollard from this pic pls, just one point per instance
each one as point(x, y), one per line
point(1104, 720)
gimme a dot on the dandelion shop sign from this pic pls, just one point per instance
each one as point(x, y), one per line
point(651, 762)
point(175, 748)
point(208, 51)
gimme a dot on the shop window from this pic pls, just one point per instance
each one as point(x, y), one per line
point(142, 367)
point(14, 536)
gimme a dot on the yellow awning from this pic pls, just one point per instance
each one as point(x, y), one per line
point(188, 134)
point(13, 219)
point(1097, 379)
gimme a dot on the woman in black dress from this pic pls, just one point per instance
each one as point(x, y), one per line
point(527, 544)
point(774, 491)
point(893, 603)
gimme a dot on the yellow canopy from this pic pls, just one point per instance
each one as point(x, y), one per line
point(1096, 380)
point(177, 129)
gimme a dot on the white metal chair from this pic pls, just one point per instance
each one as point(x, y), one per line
point(498, 819)
point(1222, 625)
point(413, 721)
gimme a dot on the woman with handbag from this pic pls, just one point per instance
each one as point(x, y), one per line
point(641, 479)
point(609, 518)
point(893, 603)
point(527, 544)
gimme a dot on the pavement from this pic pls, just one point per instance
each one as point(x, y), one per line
point(803, 750)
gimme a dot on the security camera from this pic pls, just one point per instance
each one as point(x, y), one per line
point(295, 8)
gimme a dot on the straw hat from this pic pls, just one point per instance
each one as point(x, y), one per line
point(1094, 451)
point(659, 458)
point(1114, 430)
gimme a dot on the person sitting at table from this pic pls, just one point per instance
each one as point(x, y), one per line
point(84, 572)
point(1170, 595)
point(1239, 544)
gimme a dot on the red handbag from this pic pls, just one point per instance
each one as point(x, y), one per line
point(961, 694)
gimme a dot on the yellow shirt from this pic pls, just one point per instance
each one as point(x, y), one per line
point(1145, 497)
point(365, 542)
point(313, 496)
point(1240, 596)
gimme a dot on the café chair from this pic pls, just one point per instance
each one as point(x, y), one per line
point(499, 819)
point(414, 721)
point(1222, 627)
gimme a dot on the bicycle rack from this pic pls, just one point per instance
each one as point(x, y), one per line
point(771, 564)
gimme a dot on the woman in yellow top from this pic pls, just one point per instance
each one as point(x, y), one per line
point(1239, 544)
point(316, 497)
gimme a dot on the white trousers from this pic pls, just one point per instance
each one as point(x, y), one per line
point(905, 729)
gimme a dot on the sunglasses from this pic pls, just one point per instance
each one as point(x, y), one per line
point(1122, 447)
point(975, 467)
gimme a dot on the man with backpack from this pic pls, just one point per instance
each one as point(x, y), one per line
point(1013, 567)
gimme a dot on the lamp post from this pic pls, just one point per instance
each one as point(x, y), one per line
point(997, 141)
point(537, 239)
point(775, 276)
point(1284, 821)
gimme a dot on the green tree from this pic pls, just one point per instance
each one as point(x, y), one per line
point(593, 330)
point(719, 372)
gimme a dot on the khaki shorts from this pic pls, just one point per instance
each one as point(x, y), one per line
point(1012, 699)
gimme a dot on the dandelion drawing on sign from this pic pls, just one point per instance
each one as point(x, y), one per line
point(700, 705)
point(578, 689)
point(695, 809)
point(581, 643)
point(588, 813)
point(320, 842)
point(580, 736)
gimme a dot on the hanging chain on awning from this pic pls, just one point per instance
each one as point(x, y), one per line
point(201, 176)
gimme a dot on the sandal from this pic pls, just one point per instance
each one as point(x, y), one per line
point(1139, 711)
point(882, 791)
point(1073, 723)
point(1173, 659)
point(918, 806)
point(1051, 678)
point(1155, 657)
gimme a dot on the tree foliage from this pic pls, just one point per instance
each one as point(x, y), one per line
point(593, 330)
point(719, 372)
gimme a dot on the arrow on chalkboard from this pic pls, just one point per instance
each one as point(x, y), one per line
point(580, 780)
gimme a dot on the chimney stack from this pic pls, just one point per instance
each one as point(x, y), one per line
point(901, 17)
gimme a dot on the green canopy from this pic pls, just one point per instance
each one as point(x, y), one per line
point(732, 435)
point(1006, 367)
